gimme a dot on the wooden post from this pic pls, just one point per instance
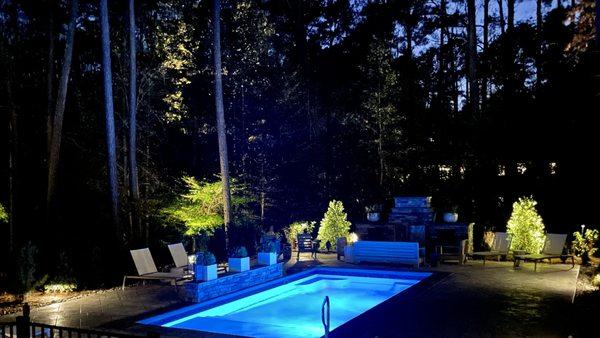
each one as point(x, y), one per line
point(23, 323)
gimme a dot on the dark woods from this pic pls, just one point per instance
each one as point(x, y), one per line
point(360, 101)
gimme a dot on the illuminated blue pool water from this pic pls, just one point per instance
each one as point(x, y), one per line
point(292, 309)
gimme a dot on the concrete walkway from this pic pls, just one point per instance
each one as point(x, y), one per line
point(472, 300)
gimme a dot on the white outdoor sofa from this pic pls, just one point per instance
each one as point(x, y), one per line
point(383, 252)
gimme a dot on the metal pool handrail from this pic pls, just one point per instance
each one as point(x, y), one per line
point(325, 322)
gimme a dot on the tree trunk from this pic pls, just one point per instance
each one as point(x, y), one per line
point(147, 192)
point(57, 120)
point(50, 76)
point(409, 41)
point(486, 32)
point(501, 15)
point(13, 146)
point(441, 61)
point(133, 170)
point(472, 56)
point(380, 138)
point(538, 53)
point(110, 119)
point(222, 137)
point(511, 14)
point(509, 57)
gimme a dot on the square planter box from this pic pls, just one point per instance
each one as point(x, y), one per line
point(239, 264)
point(267, 258)
point(205, 272)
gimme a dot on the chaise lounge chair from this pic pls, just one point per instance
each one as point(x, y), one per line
point(500, 247)
point(146, 268)
point(553, 248)
point(457, 253)
point(180, 258)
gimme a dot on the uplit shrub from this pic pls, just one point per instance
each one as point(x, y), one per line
point(525, 226)
point(205, 258)
point(238, 252)
point(3, 214)
point(584, 245)
point(292, 231)
point(596, 280)
point(59, 287)
point(334, 224)
point(200, 208)
point(352, 238)
point(268, 246)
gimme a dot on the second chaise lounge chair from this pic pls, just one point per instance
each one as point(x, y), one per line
point(500, 247)
point(146, 269)
point(180, 258)
point(553, 248)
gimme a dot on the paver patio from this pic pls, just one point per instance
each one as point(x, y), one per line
point(471, 300)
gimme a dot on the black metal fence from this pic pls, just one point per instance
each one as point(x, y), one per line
point(24, 328)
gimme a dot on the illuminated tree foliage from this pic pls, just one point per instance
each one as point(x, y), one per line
point(293, 230)
point(380, 90)
point(334, 224)
point(200, 208)
point(585, 244)
point(525, 226)
point(3, 214)
point(582, 15)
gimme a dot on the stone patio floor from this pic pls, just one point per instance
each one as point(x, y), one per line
point(472, 300)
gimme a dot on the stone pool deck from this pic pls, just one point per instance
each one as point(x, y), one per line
point(471, 300)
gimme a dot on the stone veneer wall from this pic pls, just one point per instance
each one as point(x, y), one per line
point(203, 291)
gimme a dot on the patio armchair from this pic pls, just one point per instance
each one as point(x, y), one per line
point(452, 252)
point(306, 244)
point(500, 247)
point(553, 248)
point(147, 270)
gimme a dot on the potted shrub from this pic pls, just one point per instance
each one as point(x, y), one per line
point(451, 216)
point(583, 244)
point(268, 253)
point(205, 268)
point(239, 260)
point(373, 212)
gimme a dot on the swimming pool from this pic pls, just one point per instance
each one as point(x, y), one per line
point(291, 306)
